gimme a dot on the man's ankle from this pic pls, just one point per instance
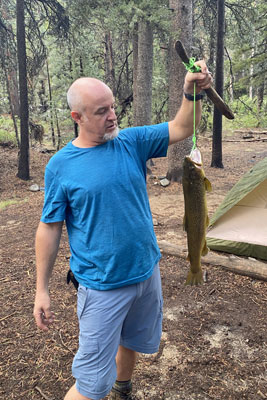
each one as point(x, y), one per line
point(121, 390)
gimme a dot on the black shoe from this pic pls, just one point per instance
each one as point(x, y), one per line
point(117, 395)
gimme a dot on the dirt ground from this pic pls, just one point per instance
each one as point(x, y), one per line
point(214, 336)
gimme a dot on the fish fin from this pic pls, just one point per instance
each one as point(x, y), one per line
point(194, 278)
point(184, 223)
point(208, 186)
point(205, 249)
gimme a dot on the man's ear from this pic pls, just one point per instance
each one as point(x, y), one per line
point(75, 116)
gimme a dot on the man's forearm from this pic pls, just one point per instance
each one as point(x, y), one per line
point(182, 126)
point(46, 247)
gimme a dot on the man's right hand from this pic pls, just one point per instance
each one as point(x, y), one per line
point(42, 312)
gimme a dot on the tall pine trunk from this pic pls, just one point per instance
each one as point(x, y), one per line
point(23, 167)
point(219, 80)
point(135, 67)
point(143, 100)
point(182, 28)
point(51, 107)
point(109, 64)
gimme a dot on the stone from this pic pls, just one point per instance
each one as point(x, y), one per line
point(34, 188)
point(164, 182)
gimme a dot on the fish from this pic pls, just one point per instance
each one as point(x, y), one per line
point(196, 220)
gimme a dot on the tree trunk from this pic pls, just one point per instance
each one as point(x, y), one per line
point(10, 61)
point(109, 64)
point(219, 78)
point(11, 104)
point(251, 71)
point(135, 69)
point(13, 87)
point(51, 105)
point(144, 74)
point(182, 28)
point(260, 96)
point(23, 167)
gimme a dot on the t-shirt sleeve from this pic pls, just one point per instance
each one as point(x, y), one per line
point(152, 141)
point(55, 202)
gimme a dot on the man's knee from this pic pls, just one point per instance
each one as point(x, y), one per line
point(73, 394)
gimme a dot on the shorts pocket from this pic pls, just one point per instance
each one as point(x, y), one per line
point(85, 363)
point(81, 300)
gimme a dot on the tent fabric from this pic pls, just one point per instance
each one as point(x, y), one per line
point(238, 248)
point(239, 225)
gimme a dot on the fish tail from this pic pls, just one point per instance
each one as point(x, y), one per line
point(194, 278)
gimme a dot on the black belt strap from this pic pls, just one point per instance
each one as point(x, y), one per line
point(71, 277)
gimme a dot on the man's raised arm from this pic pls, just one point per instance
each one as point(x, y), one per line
point(181, 126)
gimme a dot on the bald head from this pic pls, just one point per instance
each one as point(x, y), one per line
point(85, 90)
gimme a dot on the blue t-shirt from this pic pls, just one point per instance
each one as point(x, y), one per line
point(101, 194)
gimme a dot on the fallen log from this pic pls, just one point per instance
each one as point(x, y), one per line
point(242, 131)
point(243, 266)
point(246, 140)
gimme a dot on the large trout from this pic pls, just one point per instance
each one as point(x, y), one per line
point(196, 219)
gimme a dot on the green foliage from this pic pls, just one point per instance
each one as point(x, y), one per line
point(72, 38)
point(247, 114)
point(4, 204)
point(7, 134)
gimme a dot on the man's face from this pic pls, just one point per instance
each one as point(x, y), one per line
point(98, 118)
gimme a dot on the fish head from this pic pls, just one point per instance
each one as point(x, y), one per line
point(193, 166)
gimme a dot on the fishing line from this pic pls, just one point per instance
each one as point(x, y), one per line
point(191, 67)
point(194, 138)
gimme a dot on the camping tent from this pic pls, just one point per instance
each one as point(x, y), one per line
point(239, 225)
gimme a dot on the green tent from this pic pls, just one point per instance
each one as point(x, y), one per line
point(239, 225)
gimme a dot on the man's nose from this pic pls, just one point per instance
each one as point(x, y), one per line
point(112, 114)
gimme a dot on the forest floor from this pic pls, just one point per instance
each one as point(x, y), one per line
point(214, 336)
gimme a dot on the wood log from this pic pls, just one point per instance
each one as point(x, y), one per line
point(242, 131)
point(243, 266)
point(245, 140)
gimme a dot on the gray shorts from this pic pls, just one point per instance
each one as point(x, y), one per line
point(130, 316)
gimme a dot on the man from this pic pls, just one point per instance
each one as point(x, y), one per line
point(97, 184)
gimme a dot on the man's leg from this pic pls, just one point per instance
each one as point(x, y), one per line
point(141, 331)
point(73, 394)
point(125, 361)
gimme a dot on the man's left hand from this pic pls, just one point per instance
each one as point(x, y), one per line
point(203, 79)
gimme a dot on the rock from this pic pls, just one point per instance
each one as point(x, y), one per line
point(155, 222)
point(34, 188)
point(164, 182)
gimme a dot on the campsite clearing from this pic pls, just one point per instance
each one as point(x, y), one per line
point(214, 336)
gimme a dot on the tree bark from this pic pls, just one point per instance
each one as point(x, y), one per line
point(135, 70)
point(51, 105)
point(219, 81)
point(143, 101)
point(182, 28)
point(23, 167)
point(11, 104)
point(109, 64)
